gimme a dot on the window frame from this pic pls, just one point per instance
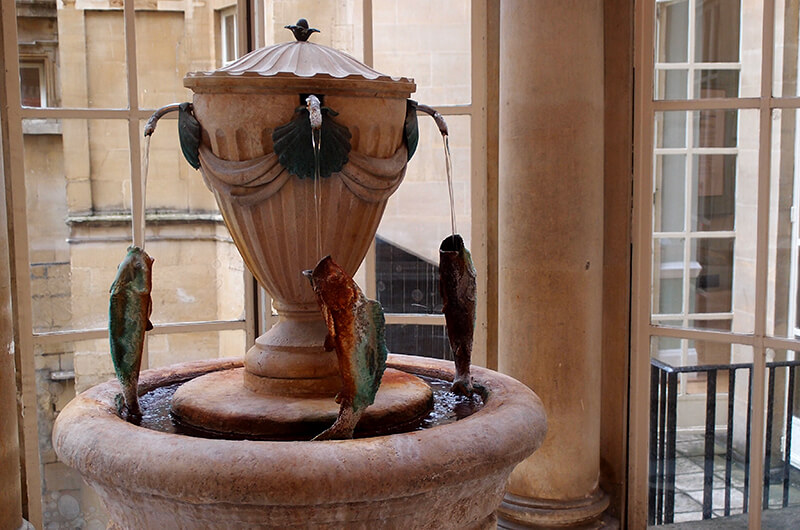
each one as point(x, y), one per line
point(251, 27)
point(642, 330)
point(484, 353)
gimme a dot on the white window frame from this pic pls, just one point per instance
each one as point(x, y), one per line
point(484, 352)
point(39, 66)
point(225, 38)
point(25, 338)
point(642, 329)
point(255, 321)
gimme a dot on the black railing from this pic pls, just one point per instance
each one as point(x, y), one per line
point(664, 381)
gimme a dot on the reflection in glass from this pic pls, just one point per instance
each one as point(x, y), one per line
point(670, 191)
point(670, 129)
point(782, 447)
point(716, 83)
point(668, 272)
point(715, 128)
point(717, 31)
point(673, 21)
point(700, 394)
point(714, 192)
point(428, 341)
point(784, 240)
point(712, 289)
point(672, 84)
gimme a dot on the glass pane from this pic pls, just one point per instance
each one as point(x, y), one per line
point(787, 39)
point(721, 59)
point(172, 348)
point(672, 31)
point(721, 200)
point(672, 84)
point(406, 283)
point(670, 129)
point(429, 41)
point(699, 436)
point(340, 24)
point(670, 192)
point(428, 341)
point(77, 184)
point(716, 83)
point(715, 128)
point(712, 288)
point(782, 447)
point(91, 51)
point(167, 47)
point(417, 216)
point(668, 274)
point(714, 192)
point(783, 279)
point(172, 184)
point(717, 31)
point(30, 81)
point(62, 371)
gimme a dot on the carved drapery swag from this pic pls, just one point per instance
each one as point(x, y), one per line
point(249, 182)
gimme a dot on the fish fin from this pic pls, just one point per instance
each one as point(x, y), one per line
point(411, 128)
point(149, 325)
point(292, 143)
point(189, 134)
point(334, 144)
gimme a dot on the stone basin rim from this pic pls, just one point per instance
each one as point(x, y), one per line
point(89, 436)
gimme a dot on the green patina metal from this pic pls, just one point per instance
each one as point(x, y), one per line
point(293, 144)
point(356, 330)
point(189, 133)
point(411, 128)
point(129, 311)
point(369, 358)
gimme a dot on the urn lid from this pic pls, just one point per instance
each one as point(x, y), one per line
point(300, 66)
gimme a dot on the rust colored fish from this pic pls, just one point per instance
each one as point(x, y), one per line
point(457, 284)
point(356, 330)
point(128, 319)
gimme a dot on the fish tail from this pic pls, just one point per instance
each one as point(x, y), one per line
point(344, 426)
point(462, 382)
point(130, 391)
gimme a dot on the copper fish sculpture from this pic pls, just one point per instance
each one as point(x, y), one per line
point(356, 330)
point(128, 319)
point(457, 284)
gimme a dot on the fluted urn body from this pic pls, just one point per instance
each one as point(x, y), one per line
point(276, 217)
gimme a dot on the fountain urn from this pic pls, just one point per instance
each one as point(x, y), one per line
point(271, 213)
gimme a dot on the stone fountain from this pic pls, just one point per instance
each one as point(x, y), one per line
point(256, 467)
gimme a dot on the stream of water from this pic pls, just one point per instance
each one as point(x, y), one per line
point(449, 169)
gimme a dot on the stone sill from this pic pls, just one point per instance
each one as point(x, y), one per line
point(41, 126)
point(114, 219)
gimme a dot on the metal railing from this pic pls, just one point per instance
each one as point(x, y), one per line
point(664, 380)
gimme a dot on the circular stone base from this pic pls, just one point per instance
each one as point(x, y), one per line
point(219, 405)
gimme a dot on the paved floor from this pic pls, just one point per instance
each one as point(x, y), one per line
point(689, 489)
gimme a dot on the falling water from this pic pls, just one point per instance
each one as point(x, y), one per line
point(449, 167)
point(315, 142)
point(145, 169)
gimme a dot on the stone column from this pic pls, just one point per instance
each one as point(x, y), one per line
point(551, 248)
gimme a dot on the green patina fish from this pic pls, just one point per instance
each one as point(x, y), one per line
point(457, 284)
point(128, 319)
point(356, 330)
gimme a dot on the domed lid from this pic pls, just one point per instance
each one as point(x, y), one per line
point(299, 66)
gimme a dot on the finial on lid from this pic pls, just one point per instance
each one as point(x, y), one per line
point(301, 30)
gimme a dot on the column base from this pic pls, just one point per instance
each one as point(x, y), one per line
point(516, 512)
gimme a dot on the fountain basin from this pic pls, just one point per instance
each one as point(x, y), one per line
point(449, 476)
